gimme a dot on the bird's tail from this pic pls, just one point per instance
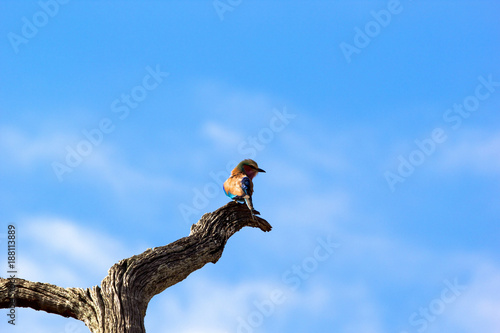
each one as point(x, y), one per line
point(248, 200)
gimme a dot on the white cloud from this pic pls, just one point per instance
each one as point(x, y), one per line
point(22, 150)
point(355, 309)
point(475, 151)
point(62, 252)
point(478, 309)
point(204, 305)
point(50, 268)
point(221, 135)
point(320, 149)
point(109, 168)
point(378, 257)
point(290, 176)
point(134, 190)
point(314, 212)
point(201, 304)
point(29, 320)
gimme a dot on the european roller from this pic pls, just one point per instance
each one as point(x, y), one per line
point(239, 185)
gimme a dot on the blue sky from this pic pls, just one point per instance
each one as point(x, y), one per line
point(119, 122)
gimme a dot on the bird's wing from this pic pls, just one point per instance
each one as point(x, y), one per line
point(246, 185)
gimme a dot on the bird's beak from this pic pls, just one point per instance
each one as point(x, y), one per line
point(260, 170)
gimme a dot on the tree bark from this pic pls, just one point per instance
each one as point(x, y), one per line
point(120, 303)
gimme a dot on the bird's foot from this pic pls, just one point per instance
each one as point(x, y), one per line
point(256, 212)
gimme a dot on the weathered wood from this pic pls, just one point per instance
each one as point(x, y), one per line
point(120, 303)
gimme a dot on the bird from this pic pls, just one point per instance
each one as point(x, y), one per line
point(239, 185)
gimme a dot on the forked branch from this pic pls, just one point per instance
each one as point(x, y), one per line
point(120, 303)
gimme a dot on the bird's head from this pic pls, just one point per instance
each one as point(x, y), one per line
point(248, 167)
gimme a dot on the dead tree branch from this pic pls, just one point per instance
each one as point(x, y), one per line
point(120, 303)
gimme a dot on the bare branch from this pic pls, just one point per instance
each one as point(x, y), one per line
point(41, 296)
point(120, 304)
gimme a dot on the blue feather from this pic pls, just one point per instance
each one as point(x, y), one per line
point(245, 184)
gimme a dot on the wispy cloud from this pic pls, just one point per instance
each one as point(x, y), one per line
point(479, 308)
point(475, 151)
point(372, 258)
point(221, 135)
point(106, 168)
point(320, 148)
point(70, 252)
point(109, 167)
point(205, 305)
point(23, 150)
point(29, 320)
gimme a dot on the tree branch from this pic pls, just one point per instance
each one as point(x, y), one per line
point(41, 296)
point(120, 304)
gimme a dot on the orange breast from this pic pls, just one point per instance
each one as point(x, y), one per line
point(233, 185)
